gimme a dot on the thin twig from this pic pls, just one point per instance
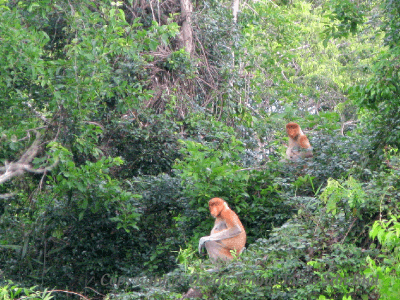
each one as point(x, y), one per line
point(95, 123)
point(251, 169)
point(69, 292)
point(251, 8)
point(94, 291)
point(152, 12)
point(351, 225)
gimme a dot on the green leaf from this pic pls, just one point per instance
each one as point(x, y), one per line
point(153, 45)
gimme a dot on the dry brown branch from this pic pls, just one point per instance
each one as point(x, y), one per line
point(67, 292)
point(351, 225)
point(205, 57)
point(131, 10)
point(166, 82)
point(95, 123)
point(23, 165)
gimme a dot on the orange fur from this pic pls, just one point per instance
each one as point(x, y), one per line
point(297, 141)
point(303, 142)
point(293, 130)
point(225, 219)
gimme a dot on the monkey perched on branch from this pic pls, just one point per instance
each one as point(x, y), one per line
point(228, 232)
point(299, 146)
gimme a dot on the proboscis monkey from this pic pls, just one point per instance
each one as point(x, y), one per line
point(227, 234)
point(299, 146)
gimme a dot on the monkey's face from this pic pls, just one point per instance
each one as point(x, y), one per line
point(216, 205)
point(293, 130)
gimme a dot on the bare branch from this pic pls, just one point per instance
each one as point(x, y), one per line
point(95, 123)
point(8, 195)
point(348, 123)
point(38, 114)
point(30, 154)
point(23, 165)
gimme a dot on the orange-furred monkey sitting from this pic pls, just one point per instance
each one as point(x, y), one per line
point(228, 232)
point(299, 146)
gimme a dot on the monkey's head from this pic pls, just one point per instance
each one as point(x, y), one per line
point(293, 130)
point(217, 205)
point(304, 143)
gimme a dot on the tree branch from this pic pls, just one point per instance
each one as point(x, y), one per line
point(348, 123)
point(23, 165)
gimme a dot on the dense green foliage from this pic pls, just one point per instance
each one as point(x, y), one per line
point(113, 138)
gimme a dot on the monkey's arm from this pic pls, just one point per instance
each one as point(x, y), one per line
point(214, 249)
point(222, 235)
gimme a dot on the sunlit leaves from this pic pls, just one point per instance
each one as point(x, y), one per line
point(345, 16)
point(350, 192)
point(207, 172)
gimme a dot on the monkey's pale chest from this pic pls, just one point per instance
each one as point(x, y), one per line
point(219, 225)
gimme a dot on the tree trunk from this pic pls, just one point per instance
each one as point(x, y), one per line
point(235, 9)
point(186, 29)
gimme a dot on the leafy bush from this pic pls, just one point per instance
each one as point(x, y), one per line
point(306, 258)
point(166, 224)
point(148, 145)
point(386, 230)
point(10, 291)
